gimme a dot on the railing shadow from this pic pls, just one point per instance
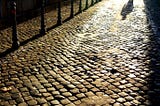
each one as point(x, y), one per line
point(30, 30)
point(9, 50)
point(127, 8)
point(152, 8)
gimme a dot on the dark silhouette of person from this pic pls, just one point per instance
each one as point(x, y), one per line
point(127, 8)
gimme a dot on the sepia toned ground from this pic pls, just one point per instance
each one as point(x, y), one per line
point(106, 56)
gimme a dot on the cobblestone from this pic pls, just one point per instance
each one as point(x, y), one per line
point(65, 101)
point(32, 102)
point(41, 100)
point(101, 55)
point(55, 102)
point(22, 104)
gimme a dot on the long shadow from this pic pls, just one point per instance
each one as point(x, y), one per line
point(127, 8)
point(152, 8)
point(9, 50)
point(34, 37)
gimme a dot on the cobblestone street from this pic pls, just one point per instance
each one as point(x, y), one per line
point(106, 56)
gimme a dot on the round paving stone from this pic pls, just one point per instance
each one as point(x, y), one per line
point(127, 104)
point(117, 104)
point(73, 98)
point(46, 94)
point(123, 94)
point(71, 86)
point(59, 97)
point(19, 100)
point(77, 102)
point(75, 91)
point(122, 87)
point(136, 102)
point(55, 102)
point(121, 100)
point(67, 94)
point(90, 94)
point(71, 104)
point(41, 100)
point(65, 101)
point(115, 96)
point(32, 102)
point(55, 93)
point(22, 104)
point(135, 88)
point(129, 98)
point(63, 90)
point(81, 95)
point(49, 98)
point(51, 89)
point(83, 90)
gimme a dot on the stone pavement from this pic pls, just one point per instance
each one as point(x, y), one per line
point(29, 29)
point(108, 55)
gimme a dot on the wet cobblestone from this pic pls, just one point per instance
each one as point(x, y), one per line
point(94, 59)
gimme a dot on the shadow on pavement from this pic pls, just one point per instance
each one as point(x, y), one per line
point(28, 30)
point(127, 8)
point(153, 11)
point(9, 50)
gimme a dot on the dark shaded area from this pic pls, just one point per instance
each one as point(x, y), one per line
point(127, 8)
point(153, 11)
point(34, 19)
point(3, 54)
point(8, 51)
point(113, 71)
point(25, 15)
point(152, 8)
